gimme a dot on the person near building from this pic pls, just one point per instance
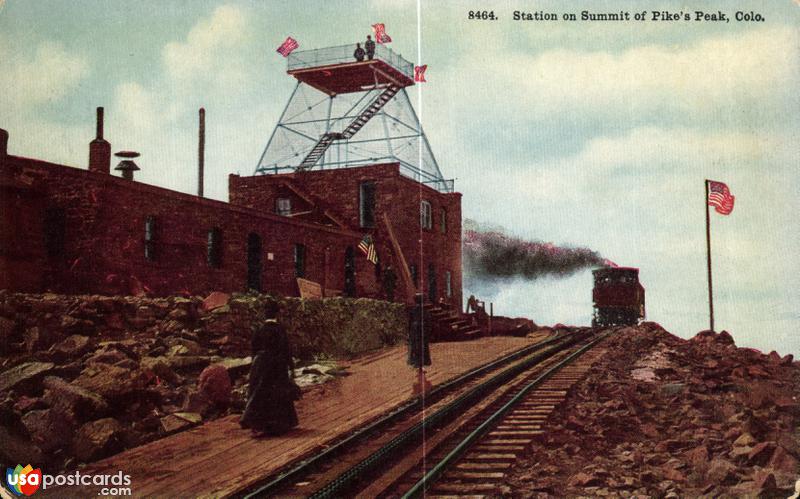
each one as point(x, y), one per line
point(272, 391)
point(420, 328)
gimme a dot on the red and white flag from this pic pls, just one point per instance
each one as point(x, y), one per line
point(368, 247)
point(419, 73)
point(287, 46)
point(719, 196)
point(380, 33)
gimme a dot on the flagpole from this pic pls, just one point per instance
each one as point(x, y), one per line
point(708, 255)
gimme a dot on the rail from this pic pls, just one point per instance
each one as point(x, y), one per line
point(276, 482)
point(419, 488)
point(343, 54)
point(377, 459)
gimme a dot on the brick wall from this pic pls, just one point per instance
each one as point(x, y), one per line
point(104, 237)
point(396, 196)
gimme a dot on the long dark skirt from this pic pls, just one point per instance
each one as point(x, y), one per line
point(270, 397)
point(419, 333)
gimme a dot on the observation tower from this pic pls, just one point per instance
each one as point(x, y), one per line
point(346, 113)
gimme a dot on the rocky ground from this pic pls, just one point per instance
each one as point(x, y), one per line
point(82, 378)
point(659, 416)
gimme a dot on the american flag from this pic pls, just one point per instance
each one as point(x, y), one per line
point(286, 47)
point(380, 33)
point(719, 196)
point(419, 72)
point(368, 247)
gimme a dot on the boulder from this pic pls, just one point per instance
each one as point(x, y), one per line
point(236, 366)
point(160, 367)
point(783, 461)
point(215, 383)
point(71, 347)
point(72, 401)
point(745, 440)
point(16, 449)
point(761, 453)
point(48, 430)
point(111, 382)
point(722, 472)
point(179, 421)
point(215, 300)
point(24, 376)
point(25, 404)
point(107, 355)
point(98, 439)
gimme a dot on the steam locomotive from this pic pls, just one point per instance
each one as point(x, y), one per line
point(618, 297)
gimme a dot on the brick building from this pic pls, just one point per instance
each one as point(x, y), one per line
point(72, 230)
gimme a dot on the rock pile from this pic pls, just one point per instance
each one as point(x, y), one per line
point(83, 377)
point(659, 416)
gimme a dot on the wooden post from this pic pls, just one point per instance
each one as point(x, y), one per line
point(201, 152)
point(405, 273)
point(708, 260)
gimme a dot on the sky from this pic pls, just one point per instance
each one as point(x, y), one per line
point(597, 135)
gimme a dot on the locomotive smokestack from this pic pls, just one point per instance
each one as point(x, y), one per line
point(99, 123)
point(201, 152)
point(99, 149)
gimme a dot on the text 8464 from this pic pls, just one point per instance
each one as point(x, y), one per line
point(482, 15)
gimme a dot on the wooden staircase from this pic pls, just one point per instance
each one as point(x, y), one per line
point(364, 116)
point(450, 325)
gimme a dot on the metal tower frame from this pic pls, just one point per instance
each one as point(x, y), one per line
point(362, 125)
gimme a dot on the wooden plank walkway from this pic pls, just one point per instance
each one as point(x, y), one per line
point(219, 458)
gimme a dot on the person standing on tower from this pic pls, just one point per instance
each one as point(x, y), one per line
point(370, 46)
point(359, 53)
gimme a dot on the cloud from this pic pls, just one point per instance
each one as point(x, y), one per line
point(45, 76)
point(747, 75)
point(211, 51)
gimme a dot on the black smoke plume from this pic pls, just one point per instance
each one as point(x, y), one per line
point(494, 254)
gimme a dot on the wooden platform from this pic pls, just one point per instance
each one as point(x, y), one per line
point(219, 458)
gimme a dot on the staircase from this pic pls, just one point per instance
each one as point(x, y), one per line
point(357, 124)
point(448, 325)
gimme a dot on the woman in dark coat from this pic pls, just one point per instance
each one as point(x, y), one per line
point(419, 333)
point(271, 393)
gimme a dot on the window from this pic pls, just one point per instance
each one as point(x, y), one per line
point(215, 248)
point(448, 284)
point(149, 238)
point(443, 221)
point(299, 260)
point(425, 218)
point(55, 221)
point(366, 204)
point(413, 271)
point(283, 207)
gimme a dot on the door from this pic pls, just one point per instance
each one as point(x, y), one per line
point(254, 262)
point(431, 283)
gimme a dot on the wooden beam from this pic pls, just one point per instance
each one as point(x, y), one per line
point(405, 273)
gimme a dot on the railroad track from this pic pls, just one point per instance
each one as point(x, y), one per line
point(384, 454)
point(315, 469)
point(475, 461)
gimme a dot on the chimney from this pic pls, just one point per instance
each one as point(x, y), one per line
point(3, 144)
point(127, 166)
point(201, 152)
point(99, 149)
